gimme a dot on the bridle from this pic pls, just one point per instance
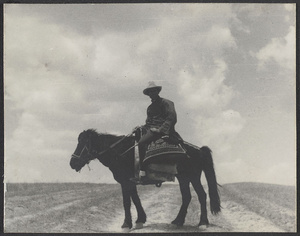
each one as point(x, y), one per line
point(79, 156)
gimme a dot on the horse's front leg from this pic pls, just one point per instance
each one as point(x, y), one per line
point(184, 184)
point(140, 210)
point(127, 204)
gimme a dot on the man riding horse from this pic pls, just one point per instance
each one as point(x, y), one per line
point(112, 152)
point(160, 123)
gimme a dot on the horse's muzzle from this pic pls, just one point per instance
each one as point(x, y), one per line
point(74, 163)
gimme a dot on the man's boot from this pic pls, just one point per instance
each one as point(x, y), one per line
point(139, 171)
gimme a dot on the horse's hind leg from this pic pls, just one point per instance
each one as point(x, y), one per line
point(196, 182)
point(140, 210)
point(184, 184)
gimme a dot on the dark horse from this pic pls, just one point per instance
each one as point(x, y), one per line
point(112, 152)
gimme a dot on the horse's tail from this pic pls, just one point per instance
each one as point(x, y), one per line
point(209, 171)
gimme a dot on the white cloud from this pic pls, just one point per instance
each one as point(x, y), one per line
point(220, 130)
point(219, 37)
point(237, 170)
point(207, 97)
point(279, 50)
point(283, 173)
point(31, 147)
point(44, 45)
point(206, 91)
point(116, 59)
point(246, 169)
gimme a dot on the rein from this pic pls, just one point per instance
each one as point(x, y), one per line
point(115, 144)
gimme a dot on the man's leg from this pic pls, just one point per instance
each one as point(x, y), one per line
point(145, 140)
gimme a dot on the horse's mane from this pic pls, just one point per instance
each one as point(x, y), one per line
point(96, 133)
point(103, 140)
point(105, 137)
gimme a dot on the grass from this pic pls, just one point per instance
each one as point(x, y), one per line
point(275, 202)
point(50, 207)
point(29, 189)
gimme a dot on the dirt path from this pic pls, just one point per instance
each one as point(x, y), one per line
point(162, 205)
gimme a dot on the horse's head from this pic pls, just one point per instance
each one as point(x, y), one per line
point(83, 152)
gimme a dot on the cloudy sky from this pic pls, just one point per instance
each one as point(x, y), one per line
point(229, 68)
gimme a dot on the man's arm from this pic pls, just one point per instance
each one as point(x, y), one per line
point(171, 117)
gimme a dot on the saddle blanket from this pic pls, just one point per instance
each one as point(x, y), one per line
point(162, 172)
point(164, 168)
point(165, 151)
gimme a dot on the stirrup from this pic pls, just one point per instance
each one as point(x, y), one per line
point(136, 180)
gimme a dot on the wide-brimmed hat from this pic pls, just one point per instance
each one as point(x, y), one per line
point(151, 85)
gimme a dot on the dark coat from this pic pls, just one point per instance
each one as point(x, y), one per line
point(161, 114)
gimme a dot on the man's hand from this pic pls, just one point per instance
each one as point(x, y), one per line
point(155, 130)
point(136, 128)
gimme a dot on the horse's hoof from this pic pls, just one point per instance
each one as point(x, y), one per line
point(126, 225)
point(125, 230)
point(203, 227)
point(177, 223)
point(142, 218)
point(203, 223)
point(139, 225)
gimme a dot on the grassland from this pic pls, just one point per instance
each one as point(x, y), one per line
point(98, 208)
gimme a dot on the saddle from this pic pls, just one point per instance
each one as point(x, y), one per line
point(164, 151)
point(161, 159)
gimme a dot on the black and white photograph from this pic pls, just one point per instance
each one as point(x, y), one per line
point(149, 118)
